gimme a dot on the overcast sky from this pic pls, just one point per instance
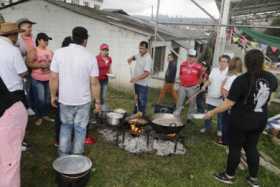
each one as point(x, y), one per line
point(182, 8)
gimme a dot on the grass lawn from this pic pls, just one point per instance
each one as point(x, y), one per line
point(117, 168)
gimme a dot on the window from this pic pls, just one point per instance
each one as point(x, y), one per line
point(86, 4)
point(159, 59)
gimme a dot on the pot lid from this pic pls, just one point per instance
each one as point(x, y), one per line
point(72, 164)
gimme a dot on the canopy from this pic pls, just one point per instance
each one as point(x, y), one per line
point(260, 37)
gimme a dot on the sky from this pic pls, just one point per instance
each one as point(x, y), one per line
point(180, 8)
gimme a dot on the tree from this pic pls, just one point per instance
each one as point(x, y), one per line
point(274, 32)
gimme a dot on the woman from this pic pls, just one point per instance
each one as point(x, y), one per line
point(39, 61)
point(170, 77)
point(104, 62)
point(214, 97)
point(234, 70)
point(247, 99)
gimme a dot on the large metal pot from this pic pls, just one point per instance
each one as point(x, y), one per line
point(73, 170)
point(166, 123)
point(114, 119)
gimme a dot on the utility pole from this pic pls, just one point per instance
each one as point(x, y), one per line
point(221, 31)
point(157, 16)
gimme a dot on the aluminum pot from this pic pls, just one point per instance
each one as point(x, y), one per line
point(73, 170)
point(114, 119)
point(166, 123)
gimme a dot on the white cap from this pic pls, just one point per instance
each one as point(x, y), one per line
point(192, 52)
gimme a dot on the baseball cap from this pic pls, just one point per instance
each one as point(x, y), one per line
point(104, 46)
point(192, 52)
point(43, 36)
point(24, 20)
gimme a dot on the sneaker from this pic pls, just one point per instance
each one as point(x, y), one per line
point(30, 112)
point(254, 182)
point(39, 122)
point(224, 178)
point(48, 119)
point(203, 130)
point(25, 147)
point(219, 133)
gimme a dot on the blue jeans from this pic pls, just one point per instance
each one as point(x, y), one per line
point(73, 118)
point(41, 97)
point(103, 94)
point(208, 123)
point(142, 98)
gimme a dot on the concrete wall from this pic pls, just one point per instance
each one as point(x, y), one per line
point(58, 23)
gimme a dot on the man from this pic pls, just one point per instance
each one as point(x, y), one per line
point(25, 41)
point(170, 77)
point(190, 78)
point(141, 77)
point(13, 115)
point(214, 95)
point(74, 66)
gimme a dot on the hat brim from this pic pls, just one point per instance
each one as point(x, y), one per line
point(16, 31)
point(30, 22)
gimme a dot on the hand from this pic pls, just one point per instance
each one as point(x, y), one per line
point(129, 61)
point(97, 108)
point(209, 115)
point(133, 80)
point(54, 101)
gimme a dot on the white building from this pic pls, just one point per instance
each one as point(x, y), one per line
point(114, 27)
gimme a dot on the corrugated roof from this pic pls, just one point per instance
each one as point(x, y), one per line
point(119, 19)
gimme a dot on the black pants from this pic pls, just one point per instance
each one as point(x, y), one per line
point(247, 140)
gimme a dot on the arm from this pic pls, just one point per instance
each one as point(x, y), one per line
point(228, 104)
point(140, 77)
point(95, 92)
point(31, 60)
point(54, 82)
point(131, 59)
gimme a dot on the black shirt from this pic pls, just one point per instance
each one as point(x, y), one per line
point(251, 97)
point(170, 75)
point(8, 98)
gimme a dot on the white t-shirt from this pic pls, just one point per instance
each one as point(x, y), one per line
point(229, 81)
point(143, 63)
point(11, 65)
point(75, 66)
point(216, 78)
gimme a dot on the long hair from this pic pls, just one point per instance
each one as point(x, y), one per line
point(254, 60)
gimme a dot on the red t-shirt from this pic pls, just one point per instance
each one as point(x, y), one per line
point(104, 66)
point(190, 73)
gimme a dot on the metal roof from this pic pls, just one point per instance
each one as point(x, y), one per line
point(120, 19)
point(245, 7)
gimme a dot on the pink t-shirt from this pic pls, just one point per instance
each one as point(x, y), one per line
point(43, 56)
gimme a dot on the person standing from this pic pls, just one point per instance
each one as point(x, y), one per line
point(26, 43)
point(13, 114)
point(234, 70)
point(170, 77)
point(104, 62)
point(214, 96)
point(248, 100)
point(39, 60)
point(74, 65)
point(141, 76)
point(190, 78)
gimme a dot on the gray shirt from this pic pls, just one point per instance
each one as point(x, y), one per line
point(143, 64)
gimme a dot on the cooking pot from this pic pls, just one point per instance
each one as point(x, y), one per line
point(73, 170)
point(166, 123)
point(114, 119)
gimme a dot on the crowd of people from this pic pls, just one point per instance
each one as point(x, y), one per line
point(73, 81)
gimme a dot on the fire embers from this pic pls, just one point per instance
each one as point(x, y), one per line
point(135, 129)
